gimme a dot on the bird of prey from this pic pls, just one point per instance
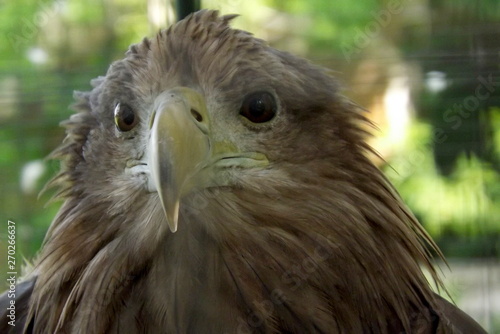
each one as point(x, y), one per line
point(213, 184)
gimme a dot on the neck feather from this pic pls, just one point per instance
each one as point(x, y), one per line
point(305, 256)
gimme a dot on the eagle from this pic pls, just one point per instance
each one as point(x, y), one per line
point(214, 184)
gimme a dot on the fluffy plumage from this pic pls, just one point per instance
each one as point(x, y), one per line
point(315, 241)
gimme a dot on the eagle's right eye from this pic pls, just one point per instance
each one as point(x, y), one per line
point(125, 118)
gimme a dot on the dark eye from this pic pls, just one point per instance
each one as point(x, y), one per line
point(259, 107)
point(125, 118)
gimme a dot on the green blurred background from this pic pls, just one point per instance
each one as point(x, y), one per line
point(428, 71)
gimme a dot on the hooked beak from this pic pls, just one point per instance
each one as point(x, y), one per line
point(181, 153)
point(179, 146)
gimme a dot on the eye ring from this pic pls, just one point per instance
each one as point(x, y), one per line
point(125, 117)
point(259, 107)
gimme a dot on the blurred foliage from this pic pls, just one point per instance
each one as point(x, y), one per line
point(333, 23)
point(464, 204)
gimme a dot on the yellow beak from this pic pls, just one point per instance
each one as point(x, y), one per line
point(179, 146)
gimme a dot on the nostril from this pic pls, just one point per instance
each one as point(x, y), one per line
point(197, 116)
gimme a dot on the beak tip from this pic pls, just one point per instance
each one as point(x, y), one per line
point(172, 226)
point(173, 217)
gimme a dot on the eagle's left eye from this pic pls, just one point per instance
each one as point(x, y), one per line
point(259, 107)
point(125, 118)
